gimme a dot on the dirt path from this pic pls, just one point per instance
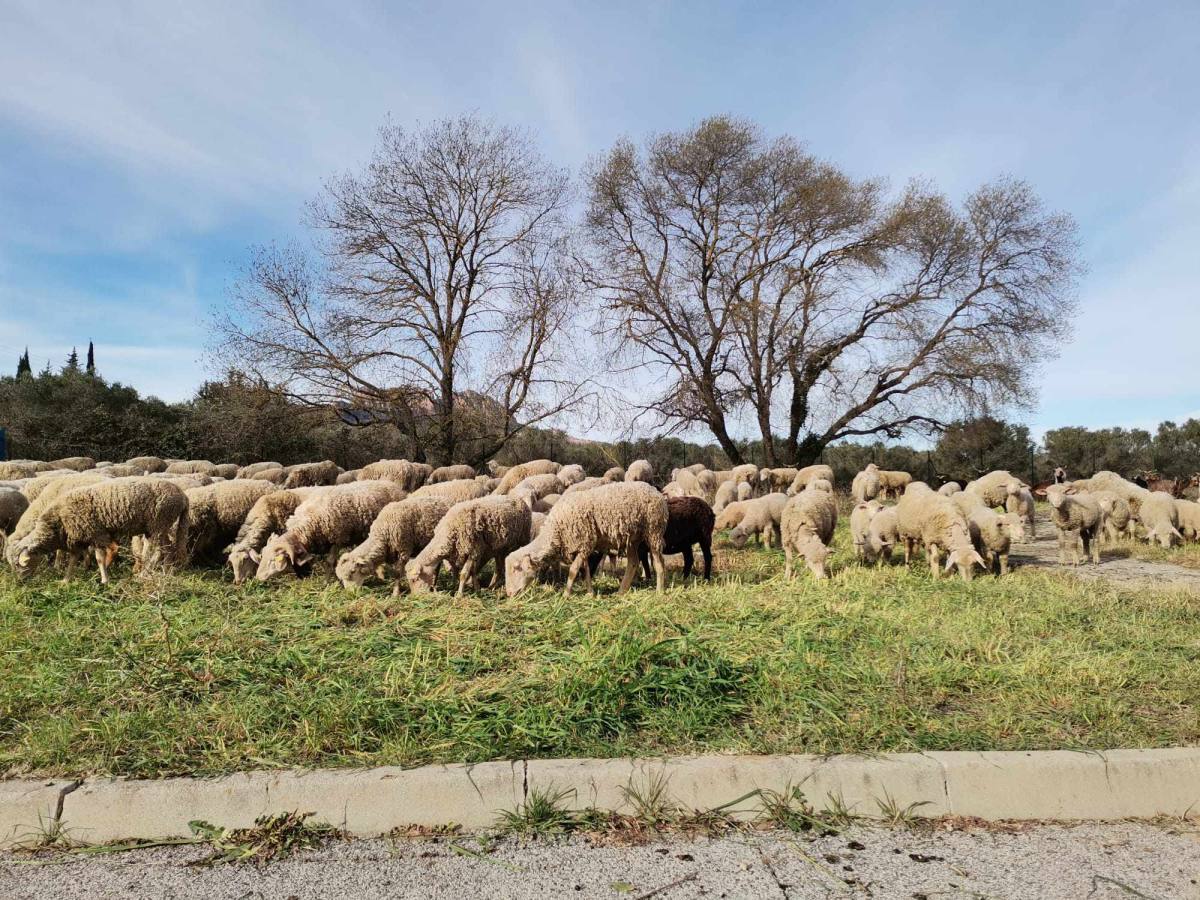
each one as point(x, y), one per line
point(1114, 566)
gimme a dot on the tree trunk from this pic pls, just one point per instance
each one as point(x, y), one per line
point(808, 451)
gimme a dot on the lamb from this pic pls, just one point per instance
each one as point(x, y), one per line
point(809, 473)
point(950, 488)
point(640, 470)
point(1160, 517)
point(995, 488)
point(1117, 517)
point(520, 472)
point(76, 463)
point(615, 473)
point(726, 494)
point(892, 483)
point(470, 534)
point(450, 473)
point(1070, 511)
point(777, 479)
point(1187, 511)
point(254, 469)
point(860, 526)
point(731, 515)
point(865, 486)
point(807, 525)
point(882, 536)
point(268, 516)
point(330, 521)
point(689, 522)
point(992, 535)
point(1022, 504)
point(399, 532)
point(96, 516)
point(762, 517)
point(617, 518)
point(454, 491)
point(934, 521)
point(216, 513)
point(312, 474)
point(744, 490)
point(535, 487)
point(191, 467)
point(225, 470)
point(408, 475)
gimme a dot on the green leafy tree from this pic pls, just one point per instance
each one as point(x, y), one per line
point(972, 447)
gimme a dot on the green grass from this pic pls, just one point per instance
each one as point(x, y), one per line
point(1186, 555)
point(189, 674)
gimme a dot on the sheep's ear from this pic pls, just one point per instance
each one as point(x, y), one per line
point(949, 562)
point(255, 555)
point(23, 558)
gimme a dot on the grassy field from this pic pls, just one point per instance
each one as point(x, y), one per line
point(188, 674)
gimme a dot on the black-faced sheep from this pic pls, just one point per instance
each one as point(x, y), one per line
point(399, 532)
point(468, 536)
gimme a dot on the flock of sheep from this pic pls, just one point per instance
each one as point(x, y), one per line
point(402, 520)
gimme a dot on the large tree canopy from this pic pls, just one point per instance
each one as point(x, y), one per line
point(755, 282)
point(437, 299)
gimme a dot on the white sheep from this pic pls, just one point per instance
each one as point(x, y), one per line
point(860, 526)
point(147, 464)
point(191, 467)
point(268, 516)
point(216, 513)
point(1116, 516)
point(96, 516)
point(807, 525)
point(614, 473)
point(726, 494)
point(1160, 517)
point(1023, 505)
point(518, 473)
point(761, 517)
point(616, 518)
point(409, 475)
point(866, 486)
point(454, 491)
point(995, 488)
point(949, 488)
point(1073, 511)
point(807, 474)
point(992, 535)
point(401, 530)
point(570, 475)
point(328, 522)
point(1188, 514)
point(892, 483)
point(312, 474)
point(777, 480)
point(882, 536)
point(470, 534)
point(927, 518)
point(450, 473)
point(535, 487)
point(587, 484)
point(252, 470)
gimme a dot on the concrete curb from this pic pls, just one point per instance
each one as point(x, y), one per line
point(1056, 785)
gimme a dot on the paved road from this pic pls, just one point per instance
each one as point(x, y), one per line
point(1097, 862)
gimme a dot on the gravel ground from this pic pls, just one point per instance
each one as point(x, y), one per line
point(1043, 552)
point(1095, 861)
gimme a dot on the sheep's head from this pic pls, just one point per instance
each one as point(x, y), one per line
point(738, 537)
point(353, 570)
point(520, 569)
point(244, 562)
point(1014, 525)
point(281, 554)
point(421, 578)
point(819, 484)
point(815, 554)
point(23, 559)
point(965, 559)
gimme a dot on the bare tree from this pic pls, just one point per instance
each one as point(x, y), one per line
point(752, 279)
point(437, 299)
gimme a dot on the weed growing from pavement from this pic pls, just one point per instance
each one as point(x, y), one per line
point(189, 674)
point(270, 838)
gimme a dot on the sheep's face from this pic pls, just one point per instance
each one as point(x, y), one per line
point(815, 555)
point(25, 561)
point(352, 571)
point(1056, 498)
point(965, 559)
point(738, 537)
point(519, 572)
point(278, 557)
point(243, 561)
point(421, 579)
point(1015, 526)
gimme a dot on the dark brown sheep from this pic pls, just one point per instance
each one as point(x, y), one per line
point(689, 522)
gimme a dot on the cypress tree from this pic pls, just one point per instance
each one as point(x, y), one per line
point(91, 359)
point(24, 369)
point(72, 362)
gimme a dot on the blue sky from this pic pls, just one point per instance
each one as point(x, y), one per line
point(145, 146)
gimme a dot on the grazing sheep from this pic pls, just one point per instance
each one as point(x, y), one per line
point(268, 516)
point(807, 525)
point(616, 518)
point(777, 480)
point(761, 517)
point(470, 534)
point(253, 470)
point(1160, 517)
point(348, 477)
point(747, 472)
point(865, 486)
point(408, 475)
point(9, 470)
point(810, 473)
point(995, 488)
point(1117, 517)
point(1023, 505)
point(616, 473)
point(42, 493)
point(726, 494)
point(860, 525)
point(586, 485)
point(640, 470)
point(450, 473)
point(1073, 511)
point(992, 535)
point(927, 518)
point(76, 463)
point(882, 536)
point(730, 515)
point(535, 487)
point(689, 522)
point(328, 522)
point(191, 467)
point(950, 488)
point(225, 470)
point(1187, 512)
point(892, 483)
point(12, 505)
point(96, 516)
point(312, 474)
point(520, 472)
point(744, 489)
point(571, 474)
point(820, 484)
point(399, 532)
point(216, 513)
point(148, 464)
point(454, 491)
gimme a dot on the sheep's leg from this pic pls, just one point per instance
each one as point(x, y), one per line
point(688, 561)
point(1062, 547)
point(644, 557)
point(934, 555)
point(579, 561)
point(466, 572)
point(1003, 563)
point(1091, 546)
point(631, 564)
point(498, 566)
point(787, 565)
point(706, 552)
point(908, 550)
point(102, 562)
point(660, 570)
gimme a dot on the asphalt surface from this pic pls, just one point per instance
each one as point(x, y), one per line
point(1092, 861)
